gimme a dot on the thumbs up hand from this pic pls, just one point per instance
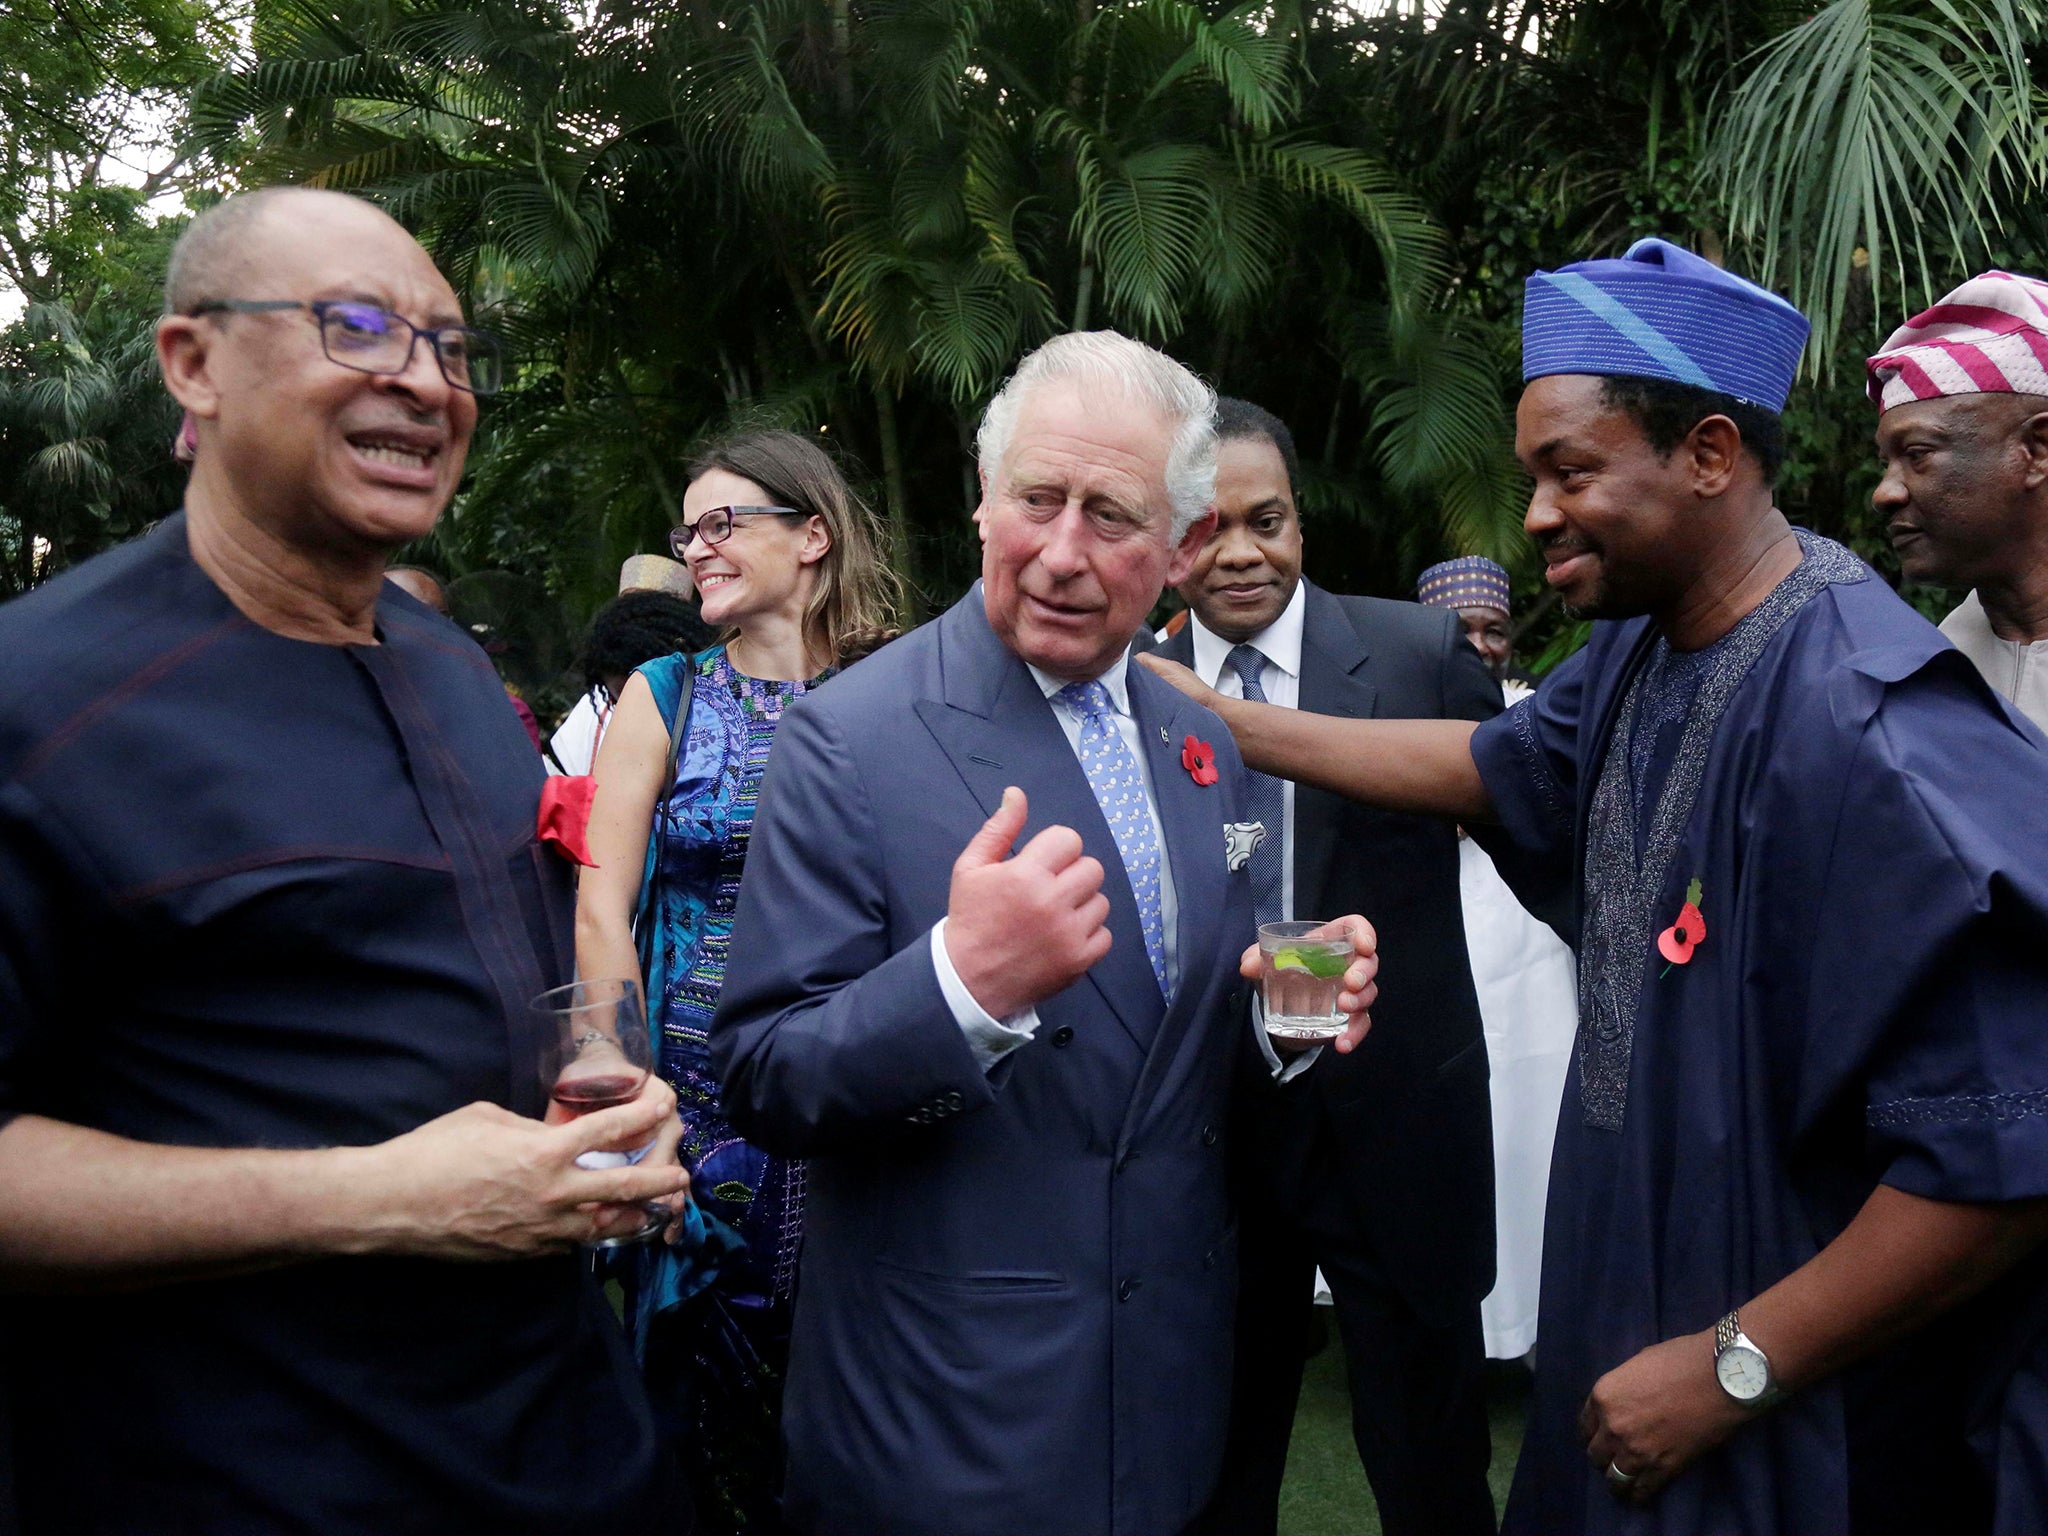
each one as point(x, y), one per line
point(1020, 929)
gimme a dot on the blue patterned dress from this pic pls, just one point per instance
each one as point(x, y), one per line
point(711, 1315)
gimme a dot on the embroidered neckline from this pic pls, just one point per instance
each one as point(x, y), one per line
point(1623, 892)
point(765, 697)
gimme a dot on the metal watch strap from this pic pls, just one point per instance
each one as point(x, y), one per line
point(1727, 1334)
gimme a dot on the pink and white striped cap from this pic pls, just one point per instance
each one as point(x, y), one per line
point(1990, 336)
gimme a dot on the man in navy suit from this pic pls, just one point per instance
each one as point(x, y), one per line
point(1011, 1075)
point(1376, 1167)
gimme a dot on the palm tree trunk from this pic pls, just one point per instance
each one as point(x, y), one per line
point(893, 489)
point(1077, 93)
point(842, 57)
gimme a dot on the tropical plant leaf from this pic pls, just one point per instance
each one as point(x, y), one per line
point(1881, 127)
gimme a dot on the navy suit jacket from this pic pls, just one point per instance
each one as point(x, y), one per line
point(1407, 1114)
point(1016, 1290)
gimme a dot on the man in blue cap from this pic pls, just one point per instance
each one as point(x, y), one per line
point(1791, 1264)
point(1476, 590)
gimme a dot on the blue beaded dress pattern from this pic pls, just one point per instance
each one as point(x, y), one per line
point(711, 1315)
point(704, 823)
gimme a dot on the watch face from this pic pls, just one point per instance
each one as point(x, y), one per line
point(1744, 1373)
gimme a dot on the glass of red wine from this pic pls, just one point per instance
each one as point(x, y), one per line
point(595, 1054)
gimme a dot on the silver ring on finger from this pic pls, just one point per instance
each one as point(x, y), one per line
point(1619, 1478)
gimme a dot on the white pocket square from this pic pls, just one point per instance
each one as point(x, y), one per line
point(1240, 838)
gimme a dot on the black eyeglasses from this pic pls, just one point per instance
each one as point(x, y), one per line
point(371, 339)
point(715, 526)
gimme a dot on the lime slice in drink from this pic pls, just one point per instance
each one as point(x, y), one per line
point(1317, 962)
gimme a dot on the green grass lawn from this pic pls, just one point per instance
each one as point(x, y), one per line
point(1326, 1494)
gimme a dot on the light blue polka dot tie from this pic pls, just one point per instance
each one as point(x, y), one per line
point(1120, 791)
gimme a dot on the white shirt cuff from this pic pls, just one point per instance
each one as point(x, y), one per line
point(1293, 1066)
point(989, 1038)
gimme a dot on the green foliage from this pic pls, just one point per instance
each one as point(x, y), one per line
point(85, 437)
point(850, 217)
point(1886, 133)
point(90, 92)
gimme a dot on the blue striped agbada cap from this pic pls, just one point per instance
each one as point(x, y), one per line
point(1470, 581)
point(1663, 313)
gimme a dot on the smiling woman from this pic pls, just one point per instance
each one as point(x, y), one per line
point(787, 563)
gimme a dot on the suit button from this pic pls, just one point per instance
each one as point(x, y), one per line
point(1125, 1161)
point(1127, 1289)
point(1208, 1135)
point(1064, 1035)
point(1209, 1259)
point(953, 1102)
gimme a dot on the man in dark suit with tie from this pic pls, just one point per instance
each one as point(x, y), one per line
point(1375, 1166)
point(1011, 1076)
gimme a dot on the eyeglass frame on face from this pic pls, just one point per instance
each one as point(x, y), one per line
point(321, 308)
point(679, 537)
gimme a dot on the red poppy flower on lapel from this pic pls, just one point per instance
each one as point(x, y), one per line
point(564, 821)
point(1199, 758)
point(1677, 942)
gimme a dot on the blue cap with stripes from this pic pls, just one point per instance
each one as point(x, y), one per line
point(1663, 313)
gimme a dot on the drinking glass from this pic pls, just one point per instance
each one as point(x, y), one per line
point(1301, 971)
point(596, 1055)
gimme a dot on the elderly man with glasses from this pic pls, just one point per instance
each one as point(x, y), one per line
point(272, 915)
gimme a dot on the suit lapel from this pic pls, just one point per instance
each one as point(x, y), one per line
point(1335, 680)
point(998, 729)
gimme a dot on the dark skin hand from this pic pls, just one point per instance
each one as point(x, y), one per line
point(1901, 1263)
point(1421, 766)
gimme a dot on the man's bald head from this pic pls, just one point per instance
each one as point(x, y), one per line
point(222, 247)
point(419, 582)
point(271, 294)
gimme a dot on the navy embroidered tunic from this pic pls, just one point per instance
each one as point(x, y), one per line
point(1869, 826)
point(257, 892)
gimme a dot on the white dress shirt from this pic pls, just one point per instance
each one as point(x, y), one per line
point(2018, 669)
point(575, 740)
point(990, 1038)
point(1280, 680)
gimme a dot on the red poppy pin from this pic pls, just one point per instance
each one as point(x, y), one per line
point(564, 821)
point(1199, 758)
point(1677, 942)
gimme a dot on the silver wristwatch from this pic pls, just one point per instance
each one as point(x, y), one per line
point(1743, 1370)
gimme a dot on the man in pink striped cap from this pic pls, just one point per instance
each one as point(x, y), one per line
point(1963, 388)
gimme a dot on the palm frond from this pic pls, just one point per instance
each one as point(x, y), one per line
point(1251, 64)
point(1150, 225)
point(1410, 243)
point(1884, 127)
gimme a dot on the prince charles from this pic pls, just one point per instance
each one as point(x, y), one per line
point(1010, 1070)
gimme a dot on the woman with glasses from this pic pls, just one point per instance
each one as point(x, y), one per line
point(788, 568)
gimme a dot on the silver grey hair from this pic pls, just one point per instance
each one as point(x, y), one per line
point(1114, 362)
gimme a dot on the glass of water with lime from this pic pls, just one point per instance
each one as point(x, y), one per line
point(1302, 971)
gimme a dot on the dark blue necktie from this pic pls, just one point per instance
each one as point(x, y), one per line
point(1263, 801)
